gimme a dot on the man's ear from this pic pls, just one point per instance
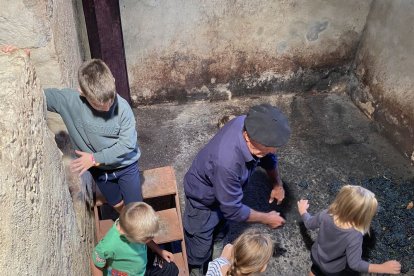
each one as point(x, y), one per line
point(246, 136)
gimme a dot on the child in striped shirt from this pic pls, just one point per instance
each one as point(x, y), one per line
point(250, 254)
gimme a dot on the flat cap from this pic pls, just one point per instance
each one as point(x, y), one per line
point(267, 125)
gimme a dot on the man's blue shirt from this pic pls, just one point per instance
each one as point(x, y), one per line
point(221, 169)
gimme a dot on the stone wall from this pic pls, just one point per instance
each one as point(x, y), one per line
point(38, 233)
point(181, 49)
point(385, 71)
point(53, 32)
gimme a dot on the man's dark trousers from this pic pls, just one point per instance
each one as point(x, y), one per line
point(200, 223)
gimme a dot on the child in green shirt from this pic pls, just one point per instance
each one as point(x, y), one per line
point(123, 250)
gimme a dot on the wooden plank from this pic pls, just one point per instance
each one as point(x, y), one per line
point(171, 227)
point(183, 247)
point(180, 263)
point(104, 226)
point(159, 185)
point(154, 182)
point(158, 182)
point(97, 227)
point(101, 226)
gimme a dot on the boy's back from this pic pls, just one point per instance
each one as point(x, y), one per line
point(123, 255)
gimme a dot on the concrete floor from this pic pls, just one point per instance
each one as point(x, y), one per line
point(332, 142)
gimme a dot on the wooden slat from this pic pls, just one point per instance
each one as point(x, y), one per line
point(180, 263)
point(158, 182)
point(104, 226)
point(97, 232)
point(159, 188)
point(183, 247)
point(169, 220)
point(172, 228)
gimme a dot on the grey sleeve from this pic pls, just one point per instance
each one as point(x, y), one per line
point(126, 144)
point(54, 99)
point(354, 253)
point(312, 222)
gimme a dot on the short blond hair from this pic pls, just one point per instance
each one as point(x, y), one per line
point(251, 253)
point(139, 222)
point(356, 206)
point(96, 81)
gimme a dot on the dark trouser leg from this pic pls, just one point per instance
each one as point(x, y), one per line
point(130, 184)
point(123, 184)
point(109, 188)
point(161, 267)
point(199, 225)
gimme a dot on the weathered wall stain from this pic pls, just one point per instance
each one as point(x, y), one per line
point(182, 77)
point(182, 50)
point(384, 82)
point(315, 29)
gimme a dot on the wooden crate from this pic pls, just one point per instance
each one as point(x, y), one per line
point(159, 189)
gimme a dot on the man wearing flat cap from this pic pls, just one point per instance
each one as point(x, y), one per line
point(213, 184)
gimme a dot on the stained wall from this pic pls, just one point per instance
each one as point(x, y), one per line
point(194, 49)
point(384, 70)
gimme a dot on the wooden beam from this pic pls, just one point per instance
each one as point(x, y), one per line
point(103, 23)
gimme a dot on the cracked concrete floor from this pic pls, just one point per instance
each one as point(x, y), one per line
point(332, 143)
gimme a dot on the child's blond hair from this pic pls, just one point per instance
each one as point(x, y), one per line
point(251, 253)
point(356, 206)
point(96, 81)
point(139, 222)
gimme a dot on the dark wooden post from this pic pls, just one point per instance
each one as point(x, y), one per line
point(103, 22)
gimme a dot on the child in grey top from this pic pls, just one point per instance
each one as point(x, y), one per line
point(338, 247)
point(102, 129)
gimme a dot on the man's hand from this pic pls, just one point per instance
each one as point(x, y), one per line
point(389, 267)
point(83, 163)
point(274, 220)
point(278, 193)
point(167, 255)
point(303, 206)
point(392, 267)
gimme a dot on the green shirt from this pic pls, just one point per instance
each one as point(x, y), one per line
point(114, 251)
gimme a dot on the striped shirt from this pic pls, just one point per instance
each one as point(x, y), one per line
point(214, 267)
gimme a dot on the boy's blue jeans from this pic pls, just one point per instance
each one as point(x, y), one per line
point(120, 184)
